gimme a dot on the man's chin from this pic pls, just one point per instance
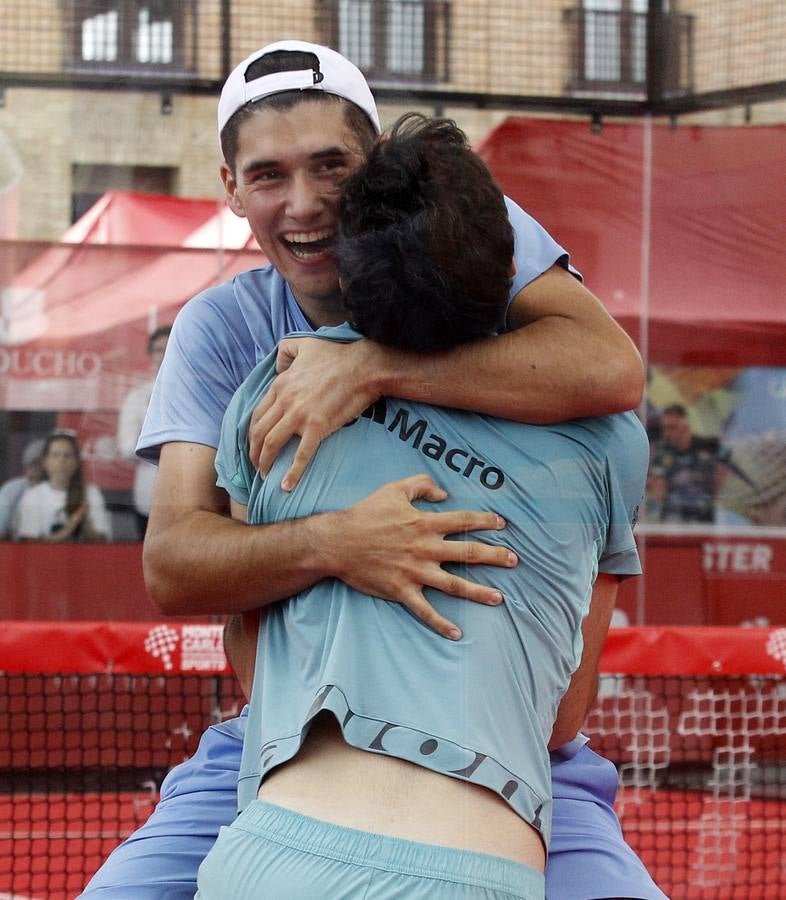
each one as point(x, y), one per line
point(316, 277)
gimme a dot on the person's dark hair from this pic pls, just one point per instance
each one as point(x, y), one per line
point(288, 61)
point(161, 331)
point(425, 247)
point(675, 409)
point(75, 493)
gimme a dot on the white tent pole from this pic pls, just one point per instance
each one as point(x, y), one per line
point(644, 318)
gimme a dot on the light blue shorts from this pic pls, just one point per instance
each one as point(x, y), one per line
point(271, 852)
point(588, 857)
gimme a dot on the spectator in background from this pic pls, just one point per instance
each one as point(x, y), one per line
point(62, 507)
point(686, 471)
point(755, 492)
point(12, 490)
point(129, 426)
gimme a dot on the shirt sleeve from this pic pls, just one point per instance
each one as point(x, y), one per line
point(203, 366)
point(233, 466)
point(626, 479)
point(27, 521)
point(535, 250)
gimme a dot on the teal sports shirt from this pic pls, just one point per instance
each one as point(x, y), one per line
point(482, 708)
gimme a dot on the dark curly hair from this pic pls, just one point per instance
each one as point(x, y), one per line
point(425, 248)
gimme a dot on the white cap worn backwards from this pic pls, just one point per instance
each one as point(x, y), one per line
point(331, 72)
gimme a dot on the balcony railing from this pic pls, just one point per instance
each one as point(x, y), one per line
point(391, 40)
point(608, 52)
point(155, 38)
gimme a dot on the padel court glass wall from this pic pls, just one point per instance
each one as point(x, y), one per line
point(649, 139)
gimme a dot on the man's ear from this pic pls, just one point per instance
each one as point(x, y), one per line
point(230, 189)
point(512, 268)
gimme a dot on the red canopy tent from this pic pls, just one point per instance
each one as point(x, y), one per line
point(679, 228)
point(75, 318)
point(124, 217)
point(682, 225)
point(680, 231)
point(76, 314)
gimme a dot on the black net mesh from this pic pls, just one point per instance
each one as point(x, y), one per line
point(702, 764)
point(580, 54)
point(83, 765)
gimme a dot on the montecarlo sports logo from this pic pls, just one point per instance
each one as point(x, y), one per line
point(776, 645)
point(417, 434)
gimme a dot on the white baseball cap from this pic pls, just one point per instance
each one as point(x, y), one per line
point(331, 72)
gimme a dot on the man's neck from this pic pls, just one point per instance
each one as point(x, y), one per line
point(322, 311)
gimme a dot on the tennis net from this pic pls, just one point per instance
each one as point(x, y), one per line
point(97, 713)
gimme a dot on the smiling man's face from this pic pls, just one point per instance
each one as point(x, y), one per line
point(287, 182)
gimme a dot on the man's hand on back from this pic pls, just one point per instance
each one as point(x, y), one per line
point(321, 386)
point(198, 561)
point(388, 548)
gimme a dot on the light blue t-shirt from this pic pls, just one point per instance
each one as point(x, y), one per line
point(222, 333)
point(481, 708)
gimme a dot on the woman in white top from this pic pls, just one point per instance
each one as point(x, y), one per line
point(62, 507)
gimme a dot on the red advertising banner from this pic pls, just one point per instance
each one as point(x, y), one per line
point(170, 648)
point(75, 315)
point(75, 321)
point(129, 648)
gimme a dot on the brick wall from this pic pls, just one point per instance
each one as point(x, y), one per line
point(515, 48)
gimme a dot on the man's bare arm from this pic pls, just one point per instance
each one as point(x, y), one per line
point(197, 560)
point(565, 358)
point(578, 699)
point(240, 647)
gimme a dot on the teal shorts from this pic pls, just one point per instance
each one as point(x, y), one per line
point(271, 852)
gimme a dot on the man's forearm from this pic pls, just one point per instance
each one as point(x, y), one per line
point(205, 563)
point(580, 695)
point(571, 364)
point(538, 389)
point(565, 358)
point(197, 560)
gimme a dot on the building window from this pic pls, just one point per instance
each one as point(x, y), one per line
point(609, 47)
point(356, 31)
point(614, 42)
point(91, 181)
point(99, 37)
point(390, 40)
point(406, 52)
point(133, 35)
